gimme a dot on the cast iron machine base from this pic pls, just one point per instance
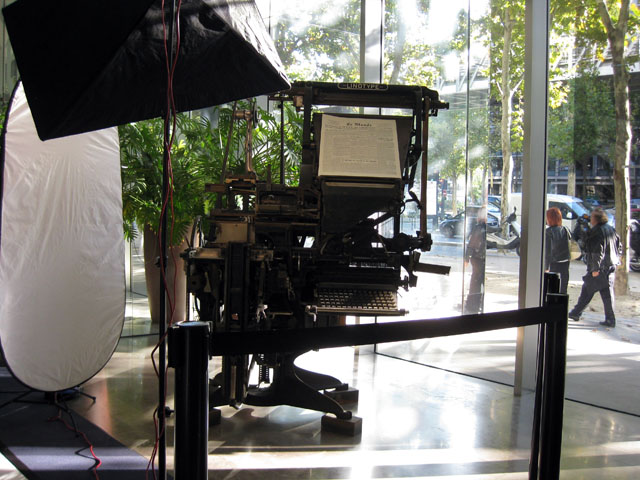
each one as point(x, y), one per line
point(296, 387)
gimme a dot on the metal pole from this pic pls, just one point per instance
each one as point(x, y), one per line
point(282, 182)
point(424, 168)
point(162, 323)
point(551, 285)
point(546, 440)
point(553, 392)
point(189, 356)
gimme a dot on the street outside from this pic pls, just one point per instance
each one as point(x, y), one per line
point(502, 271)
point(602, 362)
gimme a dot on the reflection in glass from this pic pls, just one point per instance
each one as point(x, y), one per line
point(316, 40)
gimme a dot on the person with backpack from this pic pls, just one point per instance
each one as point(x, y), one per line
point(579, 234)
point(602, 250)
point(557, 254)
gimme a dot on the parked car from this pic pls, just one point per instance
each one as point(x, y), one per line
point(570, 207)
point(455, 225)
point(494, 200)
point(494, 209)
point(592, 203)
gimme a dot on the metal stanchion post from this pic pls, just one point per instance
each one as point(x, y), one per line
point(549, 402)
point(551, 283)
point(553, 392)
point(189, 356)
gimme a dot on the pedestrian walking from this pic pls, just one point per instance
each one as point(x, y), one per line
point(557, 252)
point(603, 250)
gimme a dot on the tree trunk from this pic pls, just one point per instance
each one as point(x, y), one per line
point(485, 190)
point(505, 121)
point(622, 151)
point(398, 52)
point(175, 276)
point(454, 195)
point(571, 179)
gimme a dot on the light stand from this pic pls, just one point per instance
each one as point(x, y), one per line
point(162, 324)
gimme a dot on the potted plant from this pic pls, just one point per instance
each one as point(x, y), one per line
point(141, 152)
point(196, 159)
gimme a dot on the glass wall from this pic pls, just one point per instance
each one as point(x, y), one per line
point(316, 40)
point(446, 47)
point(9, 67)
point(472, 53)
point(594, 135)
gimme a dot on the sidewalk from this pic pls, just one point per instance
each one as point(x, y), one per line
point(627, 309)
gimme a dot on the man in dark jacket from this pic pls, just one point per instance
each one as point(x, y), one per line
point(603, 251)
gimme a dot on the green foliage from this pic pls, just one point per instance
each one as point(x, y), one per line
point(320, 41)
point(590, 30)
point(594, 116)
point(635, 123)
point(478, 137)
point(408, 59)
point(141, 155)
point(266, 143)
point(196, 159)
point(506, 16)
point(447, 143)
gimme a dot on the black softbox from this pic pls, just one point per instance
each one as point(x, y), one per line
point(91, 64)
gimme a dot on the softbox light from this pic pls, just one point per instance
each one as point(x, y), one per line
point(88, 65)
point(62, 288)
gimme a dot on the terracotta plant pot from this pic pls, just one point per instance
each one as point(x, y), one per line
point(177, 294)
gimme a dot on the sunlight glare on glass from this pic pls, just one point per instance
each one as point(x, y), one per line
point(451, 64)
point(442, 20)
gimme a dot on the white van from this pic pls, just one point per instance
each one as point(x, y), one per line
point(570, 207)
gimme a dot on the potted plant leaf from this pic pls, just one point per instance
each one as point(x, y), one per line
point(196, 159)
point(192, 155)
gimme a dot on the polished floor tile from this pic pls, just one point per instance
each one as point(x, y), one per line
point(418, 422)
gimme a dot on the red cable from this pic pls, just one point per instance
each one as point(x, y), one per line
point(84, 436)
point(168, 143)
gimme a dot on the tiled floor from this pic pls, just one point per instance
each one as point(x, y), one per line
point(418, 422)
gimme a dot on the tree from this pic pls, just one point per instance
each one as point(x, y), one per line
point(478, 148)
point(319, 40)
point(576, 134)
point(617, 38)
point(611, 24)
point(447, 143)
point(505, 25)
point(506, 36)
point(409, 60)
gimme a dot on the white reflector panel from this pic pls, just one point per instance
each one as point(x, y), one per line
point(62, 289)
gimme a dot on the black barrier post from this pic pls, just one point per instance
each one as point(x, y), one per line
point(189, 356)
point(551, 284)
point(553, 394)
point(549, 401)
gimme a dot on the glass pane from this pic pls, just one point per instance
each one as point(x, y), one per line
point(446, 47)
point(596, 168)
point(316, 40)
point(9, 67)
point(137, 319)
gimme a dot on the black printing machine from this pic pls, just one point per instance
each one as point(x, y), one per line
point(299, 257)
